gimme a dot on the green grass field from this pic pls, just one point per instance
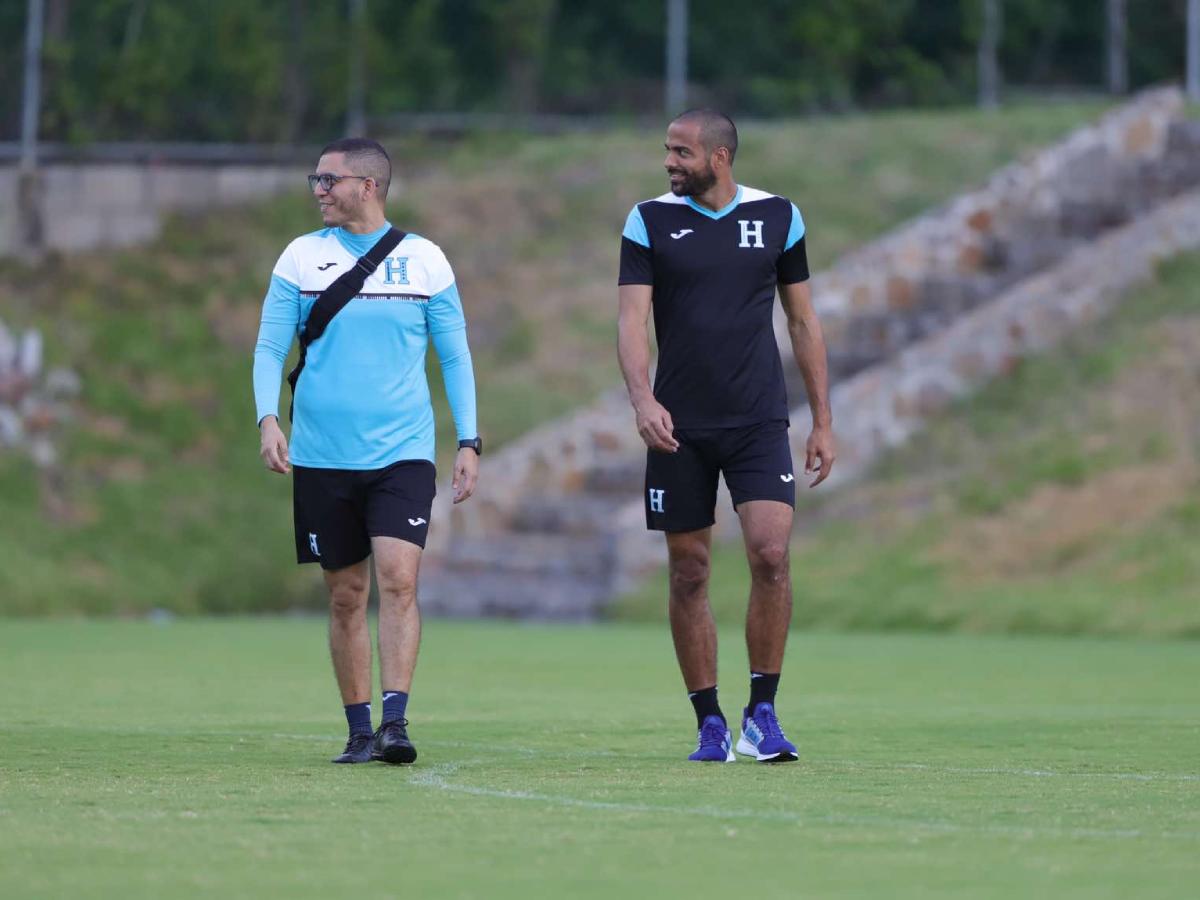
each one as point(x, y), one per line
point(189, 759)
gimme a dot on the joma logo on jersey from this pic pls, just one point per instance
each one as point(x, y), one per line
point(395, 270)
point(751, 229)
point(657, 500)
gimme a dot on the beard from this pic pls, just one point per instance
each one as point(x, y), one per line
point(694, 183)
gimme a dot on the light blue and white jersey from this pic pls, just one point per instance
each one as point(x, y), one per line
point(362, 401)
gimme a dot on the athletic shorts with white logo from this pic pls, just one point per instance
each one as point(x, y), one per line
point(338, 511)
point(681, 487)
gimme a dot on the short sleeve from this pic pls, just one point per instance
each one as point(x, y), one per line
point(793, 262)
point(795, 229)
point(437, 270)
point(286, 266)
point(637, 260)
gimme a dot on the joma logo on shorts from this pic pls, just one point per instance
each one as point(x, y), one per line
point(312, 544)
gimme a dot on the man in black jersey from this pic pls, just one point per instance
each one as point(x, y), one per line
point(707, 258)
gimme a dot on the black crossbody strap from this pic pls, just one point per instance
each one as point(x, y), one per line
point(343, 289)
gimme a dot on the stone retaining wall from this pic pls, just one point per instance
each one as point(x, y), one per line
point(882, 406)
point(85, 206)
point(922, 276)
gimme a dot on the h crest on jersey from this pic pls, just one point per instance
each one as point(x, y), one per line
point(395, 270)
point(752, 229)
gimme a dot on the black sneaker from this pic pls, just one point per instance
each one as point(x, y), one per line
point(392, 744)
point(358, 749)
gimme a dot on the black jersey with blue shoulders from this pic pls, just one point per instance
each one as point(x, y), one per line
point(714, 276)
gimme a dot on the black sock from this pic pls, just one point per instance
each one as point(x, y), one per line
point(395, 704)
point(705, 703)
point(763, 686)
point(358, 717)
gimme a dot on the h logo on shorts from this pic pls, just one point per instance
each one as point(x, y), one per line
point(748, 232)
point(312, 544)
point(656, 500)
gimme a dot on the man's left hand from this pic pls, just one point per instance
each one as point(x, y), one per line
point(466, 474)
point(819, 454)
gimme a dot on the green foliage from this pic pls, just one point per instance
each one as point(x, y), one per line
point(164, 760)
point(277, 70)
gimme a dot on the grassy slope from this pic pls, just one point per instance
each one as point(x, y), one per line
point(190, 760)
point(1064, 498)
point(163, 501)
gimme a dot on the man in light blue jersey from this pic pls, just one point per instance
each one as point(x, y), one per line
point(362, 442)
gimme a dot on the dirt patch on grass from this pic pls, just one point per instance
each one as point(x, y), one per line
point(1059, 527)
point(1150, 410)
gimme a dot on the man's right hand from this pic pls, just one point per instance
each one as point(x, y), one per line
point(274, 449)
point(655, 426)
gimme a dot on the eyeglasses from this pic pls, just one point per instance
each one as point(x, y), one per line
point(327, 180)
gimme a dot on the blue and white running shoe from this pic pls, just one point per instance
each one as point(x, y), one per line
point(714, 743)
point(762, 737)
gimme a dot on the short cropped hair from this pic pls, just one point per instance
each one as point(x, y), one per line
point(716, 129)
point(366, 157)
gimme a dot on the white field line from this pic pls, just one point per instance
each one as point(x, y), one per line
point(436, 777)
point(810, 761)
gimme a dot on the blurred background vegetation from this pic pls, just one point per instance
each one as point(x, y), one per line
point(276, 70)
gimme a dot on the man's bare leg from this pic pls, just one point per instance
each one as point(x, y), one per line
point(396, 565)
point(692, 626)
point(350, 649)
point(349, 636)
point(766, 530)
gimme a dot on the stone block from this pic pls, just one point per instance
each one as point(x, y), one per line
point(1140, 137)
point(970, 366)
point(860, 297)
point(901, 293)
point(970, 258)
point(605, 440)
point(931, 399)
point(573, 481)
point(980, 220)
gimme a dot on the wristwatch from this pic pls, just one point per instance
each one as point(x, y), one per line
point(475, 443)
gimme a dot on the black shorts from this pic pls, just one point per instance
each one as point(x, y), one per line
point(681, 487)
point(338, 511)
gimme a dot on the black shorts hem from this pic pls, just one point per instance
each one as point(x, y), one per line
point(672, 528)
point(790, 501)
point(407, 538)
point(329, 565)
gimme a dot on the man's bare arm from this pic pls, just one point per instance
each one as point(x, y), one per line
point(808, 346)
point(633, 352)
